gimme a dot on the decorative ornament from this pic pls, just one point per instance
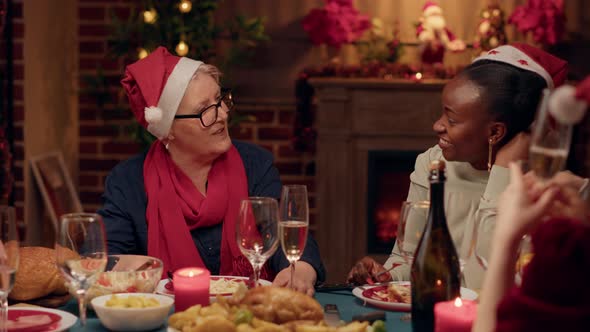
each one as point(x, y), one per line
point(490, 31)
point(142, 53)
point(337, 23)
point(543, 19)
point(150, 16)
point(185, 6)
point(434, 36)
point(181, 48)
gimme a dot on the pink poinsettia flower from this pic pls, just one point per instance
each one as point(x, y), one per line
point(544, 19)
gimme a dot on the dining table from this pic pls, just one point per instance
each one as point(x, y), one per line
point(348, 306)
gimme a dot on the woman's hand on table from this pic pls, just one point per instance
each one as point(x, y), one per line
point(303, 280)
point(367, 271)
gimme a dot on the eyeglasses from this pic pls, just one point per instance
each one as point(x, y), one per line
point(208, 115)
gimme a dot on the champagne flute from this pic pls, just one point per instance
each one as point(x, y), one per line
point(9, 244)
point(294, 223)
point(550, 142)
point(81, 253)
point(256, 231)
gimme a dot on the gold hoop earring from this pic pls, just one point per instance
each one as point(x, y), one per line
point(490, 149)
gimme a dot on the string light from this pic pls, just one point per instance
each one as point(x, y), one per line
point(185, 6)
point(182, 48)
point(150, 16)
point(142, 53)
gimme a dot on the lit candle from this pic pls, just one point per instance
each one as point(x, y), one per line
point(191, 287)
point(456, 315)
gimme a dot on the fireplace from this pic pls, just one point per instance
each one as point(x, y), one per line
point(388, 180)
point(360, 120)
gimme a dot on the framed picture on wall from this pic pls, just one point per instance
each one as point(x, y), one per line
point(55, 184)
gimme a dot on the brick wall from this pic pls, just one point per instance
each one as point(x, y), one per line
point(18, 29)
point(103, 142)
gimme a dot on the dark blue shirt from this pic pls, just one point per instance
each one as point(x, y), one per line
point(125, 203)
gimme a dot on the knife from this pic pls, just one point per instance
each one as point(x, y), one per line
point(332, 315)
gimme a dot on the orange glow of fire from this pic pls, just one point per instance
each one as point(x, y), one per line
point(386, 220)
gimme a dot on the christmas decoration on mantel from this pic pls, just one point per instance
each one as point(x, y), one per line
point(185, 27)
point(490, 30)
point(542, 20)
point(434, 36)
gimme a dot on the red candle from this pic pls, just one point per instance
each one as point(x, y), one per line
point(454, 316)
point(191, 287)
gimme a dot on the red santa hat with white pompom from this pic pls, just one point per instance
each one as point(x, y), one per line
point(155, 86)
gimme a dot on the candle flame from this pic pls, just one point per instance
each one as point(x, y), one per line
point(438, 282)
point(458, 302)
point(418, 75)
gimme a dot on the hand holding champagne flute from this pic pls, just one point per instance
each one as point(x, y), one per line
point(294, 223)
point(82, 233)
point(9, 252)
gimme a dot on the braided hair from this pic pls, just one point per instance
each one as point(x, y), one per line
point(511, 94)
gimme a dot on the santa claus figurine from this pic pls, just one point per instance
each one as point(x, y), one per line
point(434, 36)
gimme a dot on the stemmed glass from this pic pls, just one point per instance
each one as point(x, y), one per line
point(413, 218)
point(256, 231)
point(9, 244)
point(550, 142)
point(81, 253)
point(294, 223)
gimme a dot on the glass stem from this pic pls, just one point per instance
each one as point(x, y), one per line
point(81, 294)
point(256, 274)
point(4, 313)
point(292, 275)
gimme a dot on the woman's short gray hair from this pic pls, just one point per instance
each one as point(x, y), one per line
point(210, 70)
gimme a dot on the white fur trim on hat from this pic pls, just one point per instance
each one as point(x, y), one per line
point(432, 9)
point(513, 56)
point(170, 98)
point(564, 106)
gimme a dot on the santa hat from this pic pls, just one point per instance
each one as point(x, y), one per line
point(568, 104)
point(155, 86)
point(431, 7)
point(523, 56)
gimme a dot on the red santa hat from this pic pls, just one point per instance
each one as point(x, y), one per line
point(568, 104)
point(430, 8)
point(155, 86)
point(550, 67)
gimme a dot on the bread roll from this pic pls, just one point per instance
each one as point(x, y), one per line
point(282, 305)
point(37, 274)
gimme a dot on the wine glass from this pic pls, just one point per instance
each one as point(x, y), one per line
point(413, 218)
point(9, 251)
point(294, 223)
point(81, 253)
point(550, 142)
point(256, 231)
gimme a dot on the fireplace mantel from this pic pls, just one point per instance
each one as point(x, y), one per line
point(355, 116)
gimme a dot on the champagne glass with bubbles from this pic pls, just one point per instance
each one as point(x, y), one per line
point(81, 253)
point(9, 252)
point(256, 231)
point(294, 223)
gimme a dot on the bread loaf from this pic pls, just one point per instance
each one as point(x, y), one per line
point(37, 274)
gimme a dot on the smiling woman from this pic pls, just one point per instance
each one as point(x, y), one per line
point(486, 112)
point(189, 185)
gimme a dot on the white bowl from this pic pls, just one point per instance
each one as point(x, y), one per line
point(132, 319)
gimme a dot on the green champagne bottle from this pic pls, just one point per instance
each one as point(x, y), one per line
point(435, 271)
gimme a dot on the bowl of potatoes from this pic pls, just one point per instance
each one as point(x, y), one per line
point(132, 311)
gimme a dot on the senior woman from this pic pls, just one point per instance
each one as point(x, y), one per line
point(179, 201)
point(486, 112)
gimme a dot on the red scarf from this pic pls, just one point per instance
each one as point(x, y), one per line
point(175, 207)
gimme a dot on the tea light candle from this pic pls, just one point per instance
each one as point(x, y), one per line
point(456, 316)
point(191, 287)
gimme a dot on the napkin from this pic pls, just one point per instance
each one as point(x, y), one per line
point(555, 291)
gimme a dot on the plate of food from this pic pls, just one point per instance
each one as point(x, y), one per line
point(220, 285)
point(33, 319)
point(396, 296)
